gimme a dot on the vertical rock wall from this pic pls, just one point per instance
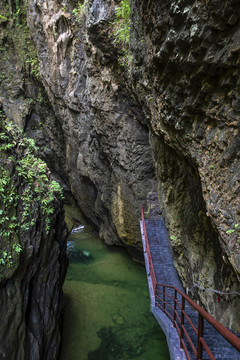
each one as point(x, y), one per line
point(109, 162)
point(32, 252)
point(186, 56)
point(30, 300)
point(32, 262)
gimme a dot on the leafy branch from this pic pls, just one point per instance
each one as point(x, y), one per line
point(26, 190)
point(121, 31)
point(79, 11)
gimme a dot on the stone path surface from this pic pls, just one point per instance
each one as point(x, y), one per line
point(166, 274)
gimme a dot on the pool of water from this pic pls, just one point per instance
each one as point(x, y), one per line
point(107, 309)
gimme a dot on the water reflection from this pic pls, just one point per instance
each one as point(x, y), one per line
point(107, 314)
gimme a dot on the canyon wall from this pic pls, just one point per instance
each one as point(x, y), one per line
point(166, 119)
point(189, 61)
point(108, 158)
point(32, 251)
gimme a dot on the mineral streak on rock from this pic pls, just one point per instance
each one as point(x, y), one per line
point(109, 161)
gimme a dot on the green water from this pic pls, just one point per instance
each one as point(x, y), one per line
point(107, 313)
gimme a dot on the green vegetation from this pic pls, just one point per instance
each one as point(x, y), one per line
point(230, 231)
point(27, 193)
point(122, 23)
point(176, 241)
point(17, 34)
point(79, 11)
point(121, 31)
point(235, 232)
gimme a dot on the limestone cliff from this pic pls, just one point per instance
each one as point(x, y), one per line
point(180, 85)
point(109, 162)
point(32, 251)
point(189, 63)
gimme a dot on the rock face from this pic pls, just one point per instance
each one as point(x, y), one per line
point(32, 252)
point(181, 87)
point(31, 297)
point(189, 64)
point(109, 162)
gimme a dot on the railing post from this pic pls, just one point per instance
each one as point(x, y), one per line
point(155, 293)
point(164, 307)
point(175, 308)
point(182, 322)
point(200, 335)
point(149, 258)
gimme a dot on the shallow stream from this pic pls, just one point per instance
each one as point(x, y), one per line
point(107, 313)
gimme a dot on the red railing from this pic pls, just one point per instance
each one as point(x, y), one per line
point(172, 302)
point(149, 257)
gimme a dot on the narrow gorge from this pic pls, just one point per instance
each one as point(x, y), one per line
point(122, 99)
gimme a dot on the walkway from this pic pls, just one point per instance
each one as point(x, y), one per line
point(165, 273)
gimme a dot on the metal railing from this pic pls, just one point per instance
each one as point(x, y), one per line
point(149, 257)
point(174, 303)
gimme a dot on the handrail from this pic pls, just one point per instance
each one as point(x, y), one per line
point(150, 263)
point(227, 334)
point(179, 315)
point(203, 315)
